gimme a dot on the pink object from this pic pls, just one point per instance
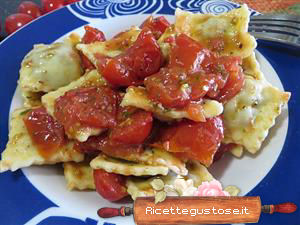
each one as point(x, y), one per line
point(212, 188)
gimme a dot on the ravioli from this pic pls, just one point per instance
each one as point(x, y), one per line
point(21, 152)
point(237, 151)
point(198, 173)
point(251, 113)
point(159, 157)
point(251, 67)
point(32, 99)
point(79, 176)
point(137, 97)
point(138, 187)
point(90, 79)
point(48, 67)
point(208, 29)
point(126, 168)
point(110, 48)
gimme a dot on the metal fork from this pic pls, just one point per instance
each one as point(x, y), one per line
point(276, 27)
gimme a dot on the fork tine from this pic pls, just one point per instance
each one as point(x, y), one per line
point(277, 17)
point(275, 23)
point(275, 29)
point(276, 37)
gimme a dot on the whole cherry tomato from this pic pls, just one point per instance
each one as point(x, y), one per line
point(16, 21)
point(110, 186)
point(50, 5)
point(30, 8)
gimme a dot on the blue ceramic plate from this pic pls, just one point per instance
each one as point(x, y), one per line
point(38, 195)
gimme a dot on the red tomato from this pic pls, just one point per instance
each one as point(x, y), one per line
point(122, 151)
point(156, 25)
point(200, 84)
point(110, 186)
point(87, 107)
point(194, 140)
point(142, 59)
point(174, 88)
point(86, 63)
point(216, 44)
point(235, 80)
point(190, 55)
point(195, 111)
point(101, 143)
point(168, 87)
point(223, 149)
point(93, 145)
point(46, 133)
point(92, 35)
point(16, 21)
point(67, 2)
point(194, 72)
point(50, 5)
point(134, 129)
point(30, 8)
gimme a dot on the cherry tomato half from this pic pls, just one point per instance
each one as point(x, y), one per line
point(110, 186)
point(87, 107)
point(50, 5)
point(16, 21)
point(46, 133)
point(235, 80)
point(168, 87)
point(30, 8)
point(91, 35)
point(157, 25)
point(134, 129)
point(194, 140)
point(142, 59)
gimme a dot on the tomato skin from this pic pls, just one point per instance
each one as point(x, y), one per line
point(235, 80)
point(142, 59)
point(110, 186)
point(90, 107)
point(86, 63)
point(157, 25)
point(92, 35)
point(194, 140)
point(192, 73)
point(190, 55)
point(223, 149)
point(217, 44)
point(93, 145)
point(195, 111)
point(45, 132)
point(50, 5)
point(167, 87)
point(30, 8)
point(16, 21)
point(134, 129)
point(101, 143)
